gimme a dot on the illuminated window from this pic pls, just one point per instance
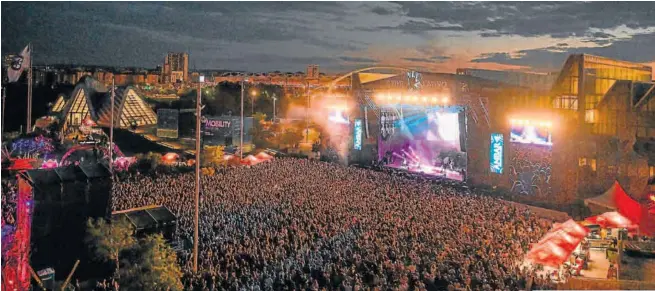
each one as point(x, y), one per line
point(59, 105)
point(587, 162)
point(566, 102)
point(591, 116)
point(136, 111)
point(79, 109)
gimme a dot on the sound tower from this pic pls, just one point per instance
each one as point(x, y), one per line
point(462, 130)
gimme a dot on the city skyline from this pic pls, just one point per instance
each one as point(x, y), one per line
point(338, 36)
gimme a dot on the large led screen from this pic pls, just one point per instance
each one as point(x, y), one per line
point(531, 134)
point(423, 140)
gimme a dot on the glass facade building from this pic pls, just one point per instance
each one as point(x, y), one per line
point(585, 79)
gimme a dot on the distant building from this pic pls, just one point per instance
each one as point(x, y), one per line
point(176, 68)
point(312, 72)
point(195, 77)
point(152, 79)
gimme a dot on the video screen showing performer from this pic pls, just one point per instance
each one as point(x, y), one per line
point(423, 140)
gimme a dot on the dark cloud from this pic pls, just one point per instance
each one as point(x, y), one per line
point(417, 27)
point(381, 11)
point(262, 36)
point(502, 58)
point(437, 59)
point(557, 19)
point(140, 33)
point(491, 34)
point(637, 49)
point(357, 59)
point(602, 35)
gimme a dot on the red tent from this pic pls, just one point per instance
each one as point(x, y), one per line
point(21, 164)
point(615, 199)
point(647, 224)
point(611, 220)
point(250, 160)
point(558, 244)
point(549, 254)
point(264, 156)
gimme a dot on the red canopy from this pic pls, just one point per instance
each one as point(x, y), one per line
point(558, 244)
point(647, 224)
point(22, 164)
point(549, 254)
point(611, 220)
point(264, 156)
point(250, 160)
point(615, 198)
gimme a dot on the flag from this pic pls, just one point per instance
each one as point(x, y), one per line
point(18, 64)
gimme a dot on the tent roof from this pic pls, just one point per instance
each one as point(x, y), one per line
point(608, 199)
point(615, 198)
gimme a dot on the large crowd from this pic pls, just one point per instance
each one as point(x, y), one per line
point(301, 224)
point(9, 202)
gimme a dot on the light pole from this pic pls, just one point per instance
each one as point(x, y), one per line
point(197, 194)
point(241, 125)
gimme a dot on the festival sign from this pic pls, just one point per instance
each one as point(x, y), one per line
point(496, 153)
point(217, 130)
point(357, 139)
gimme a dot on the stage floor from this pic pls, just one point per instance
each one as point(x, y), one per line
point(598, 265)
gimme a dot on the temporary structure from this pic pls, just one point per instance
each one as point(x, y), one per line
point(615, 199)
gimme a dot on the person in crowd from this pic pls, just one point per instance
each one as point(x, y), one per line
point(9, 202)
point(301, 224)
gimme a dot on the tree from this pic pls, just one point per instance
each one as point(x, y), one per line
point(109, 241)
point(152, 266)
point(291, 137)
point(260, 135)
point(213, 156)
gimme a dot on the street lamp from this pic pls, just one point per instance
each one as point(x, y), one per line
point(274, 99)
point(197, 182)
point(253, 93)
point(243, 80)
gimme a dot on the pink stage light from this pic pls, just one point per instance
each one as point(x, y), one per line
point(49, 164)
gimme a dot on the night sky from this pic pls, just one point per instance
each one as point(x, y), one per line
point(339, 36)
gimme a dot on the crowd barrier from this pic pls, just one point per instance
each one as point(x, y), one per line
point(602, 284)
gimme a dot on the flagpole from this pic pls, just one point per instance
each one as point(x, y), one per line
point(29, 92)
point(111, 130)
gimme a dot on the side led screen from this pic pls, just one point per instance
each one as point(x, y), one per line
point(528, 133)
point(357, 139)
point(496, 153)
